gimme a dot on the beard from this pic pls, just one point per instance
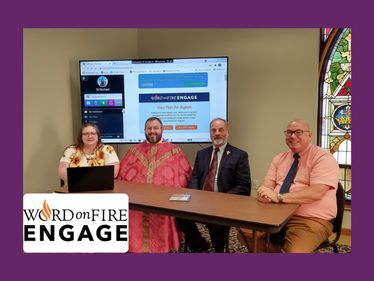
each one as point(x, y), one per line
point(219, 141)
point(154, 138)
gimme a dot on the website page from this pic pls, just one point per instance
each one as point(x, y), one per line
point(184, 93)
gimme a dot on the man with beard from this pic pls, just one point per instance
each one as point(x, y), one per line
point(161, 163)
point(218, 168)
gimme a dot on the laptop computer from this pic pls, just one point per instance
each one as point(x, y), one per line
point(90, 178)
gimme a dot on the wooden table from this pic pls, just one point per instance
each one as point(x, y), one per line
point(205, 206)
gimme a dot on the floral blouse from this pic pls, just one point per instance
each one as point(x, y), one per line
point(103, 155)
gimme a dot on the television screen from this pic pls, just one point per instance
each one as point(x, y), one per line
point(185, 93)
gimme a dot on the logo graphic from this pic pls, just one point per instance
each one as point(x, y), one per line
point(75, 223)
point(46, 211)
point(102, 81)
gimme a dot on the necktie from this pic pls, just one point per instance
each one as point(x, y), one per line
point(291, 175)
point(210, 178)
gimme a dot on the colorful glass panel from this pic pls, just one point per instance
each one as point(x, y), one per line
point(326, 33)
point(336, 121)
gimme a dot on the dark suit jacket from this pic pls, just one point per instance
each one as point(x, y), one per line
point(233, 171)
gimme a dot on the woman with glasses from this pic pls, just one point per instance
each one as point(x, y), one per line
point(88, 151)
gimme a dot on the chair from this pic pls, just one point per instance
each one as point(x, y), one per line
point(337, 221)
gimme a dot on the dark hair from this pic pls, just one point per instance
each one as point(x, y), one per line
point(80, 143)
point(152, 119)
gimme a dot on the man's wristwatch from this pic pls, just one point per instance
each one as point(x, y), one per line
point(280, 197)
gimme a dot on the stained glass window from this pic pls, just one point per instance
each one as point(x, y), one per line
point(325, 34)
point(335, 100)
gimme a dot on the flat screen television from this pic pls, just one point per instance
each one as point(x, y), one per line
point(185, 93)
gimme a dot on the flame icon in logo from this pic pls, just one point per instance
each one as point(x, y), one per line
point(46, 211)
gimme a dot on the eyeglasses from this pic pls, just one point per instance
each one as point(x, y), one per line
point(89, 134)
point(297, 133)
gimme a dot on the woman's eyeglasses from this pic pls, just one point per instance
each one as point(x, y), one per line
point(89, 134)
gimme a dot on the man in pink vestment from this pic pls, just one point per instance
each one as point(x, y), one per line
point(162, 163)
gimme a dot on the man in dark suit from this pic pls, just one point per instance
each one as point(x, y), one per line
point(230, 174)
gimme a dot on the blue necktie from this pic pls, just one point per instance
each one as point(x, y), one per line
point(291, 175)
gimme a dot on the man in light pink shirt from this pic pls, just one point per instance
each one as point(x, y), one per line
point(314, 188)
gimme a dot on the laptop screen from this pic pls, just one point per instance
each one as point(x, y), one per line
point(90, 178)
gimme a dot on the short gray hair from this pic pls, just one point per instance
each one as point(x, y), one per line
point(218, 119)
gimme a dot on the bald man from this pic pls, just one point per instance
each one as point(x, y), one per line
point(313, 187)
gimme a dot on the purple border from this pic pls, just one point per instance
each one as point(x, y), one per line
point(175, 14)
